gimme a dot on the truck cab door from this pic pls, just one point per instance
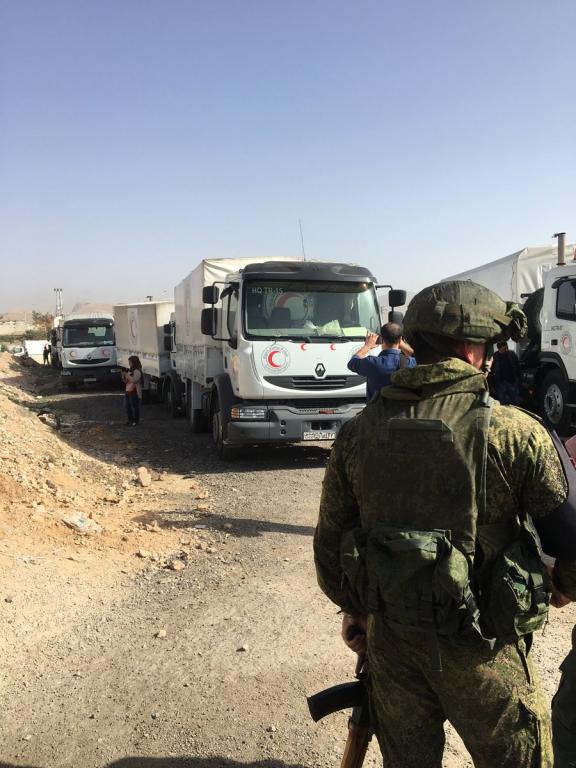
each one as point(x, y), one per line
point(230, 318)
point(559, 327)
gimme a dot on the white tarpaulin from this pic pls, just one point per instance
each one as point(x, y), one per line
point(519, 273)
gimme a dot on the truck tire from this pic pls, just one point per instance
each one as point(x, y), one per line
point(225, 452)
point(532, 308)
point(552, 400)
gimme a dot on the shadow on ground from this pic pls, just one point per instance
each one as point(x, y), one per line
point(242, 527)
point(181, 762)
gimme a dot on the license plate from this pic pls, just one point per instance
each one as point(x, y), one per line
point(319, 434)
point(90, 380)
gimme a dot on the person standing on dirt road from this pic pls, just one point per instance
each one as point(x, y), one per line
point(378, 369)
point(46, 354)
point(505, 375)
point(427, 515)
point(132, 379)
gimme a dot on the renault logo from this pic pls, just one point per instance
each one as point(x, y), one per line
point(320, 370)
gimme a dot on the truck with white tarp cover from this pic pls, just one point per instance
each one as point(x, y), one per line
point(544, 283)
point(143, 330)
point(260, 348)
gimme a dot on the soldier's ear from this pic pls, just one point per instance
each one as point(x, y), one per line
point(472, 353)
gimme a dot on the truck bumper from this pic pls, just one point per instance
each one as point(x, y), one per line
point(290, 424)
point(91, 375)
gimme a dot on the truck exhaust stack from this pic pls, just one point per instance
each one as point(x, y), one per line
point(561, 236)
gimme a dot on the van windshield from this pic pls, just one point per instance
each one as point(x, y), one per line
point(88, 336)
point(313, 310)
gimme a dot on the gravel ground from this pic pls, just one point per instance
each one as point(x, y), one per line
point(204, 667)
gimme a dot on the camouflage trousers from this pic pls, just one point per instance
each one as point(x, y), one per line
point(564, 713)
point(492, 698)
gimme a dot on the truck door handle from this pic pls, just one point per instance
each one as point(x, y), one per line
point(554, 342)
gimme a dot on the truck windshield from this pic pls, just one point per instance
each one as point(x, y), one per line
point(88, 336)
point(339, 310)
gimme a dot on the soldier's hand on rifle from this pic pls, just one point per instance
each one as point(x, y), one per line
point(354, 632)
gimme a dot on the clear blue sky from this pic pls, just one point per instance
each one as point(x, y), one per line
point(417, 138)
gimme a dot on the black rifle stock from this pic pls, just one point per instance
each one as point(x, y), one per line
point(347, 696)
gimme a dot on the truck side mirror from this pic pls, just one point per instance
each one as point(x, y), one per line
point(167, 332)
point(210, 294)
point(395, 317)
point(396, 298)
point(208, 321)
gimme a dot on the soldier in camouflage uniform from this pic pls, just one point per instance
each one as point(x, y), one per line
point(489, 692)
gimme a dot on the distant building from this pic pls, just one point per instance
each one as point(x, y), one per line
point(14, 327)
point(16, 322)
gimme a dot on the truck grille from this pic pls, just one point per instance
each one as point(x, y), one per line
point(312, 383)
point(85, 361)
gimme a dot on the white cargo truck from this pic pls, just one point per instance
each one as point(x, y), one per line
point(541, 280)
point(143, 329)
point(261, 348)
point(85, 348)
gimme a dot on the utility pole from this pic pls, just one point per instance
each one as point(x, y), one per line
point(59, 305)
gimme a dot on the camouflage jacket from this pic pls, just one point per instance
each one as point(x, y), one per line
point(523, 470)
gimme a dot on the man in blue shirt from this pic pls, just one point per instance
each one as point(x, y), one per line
point(378, 369)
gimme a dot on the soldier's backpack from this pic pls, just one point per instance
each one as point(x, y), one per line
point(443, 575)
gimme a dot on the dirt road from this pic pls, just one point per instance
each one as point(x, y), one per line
point(104, 665)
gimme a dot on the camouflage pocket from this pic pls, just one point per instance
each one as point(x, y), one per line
point(418, 579)
point(515, 601)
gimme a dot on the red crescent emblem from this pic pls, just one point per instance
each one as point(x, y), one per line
point(332, 347)
point(303, 347)
point(271, 359)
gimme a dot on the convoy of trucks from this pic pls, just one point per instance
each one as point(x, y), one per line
point(83, 347)
point(258, 350)
point(545, 284)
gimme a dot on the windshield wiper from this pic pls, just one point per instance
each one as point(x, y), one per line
point(303, 339)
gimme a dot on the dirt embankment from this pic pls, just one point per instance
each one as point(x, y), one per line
point(56, 496)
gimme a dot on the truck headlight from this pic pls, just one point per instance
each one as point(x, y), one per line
point(249, 413)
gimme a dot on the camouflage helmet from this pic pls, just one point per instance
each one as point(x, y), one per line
point(466, 311)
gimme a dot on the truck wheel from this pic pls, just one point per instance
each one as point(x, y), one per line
point(552, 402)
point(225, 452)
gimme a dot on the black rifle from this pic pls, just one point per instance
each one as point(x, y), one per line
point(348, 696)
